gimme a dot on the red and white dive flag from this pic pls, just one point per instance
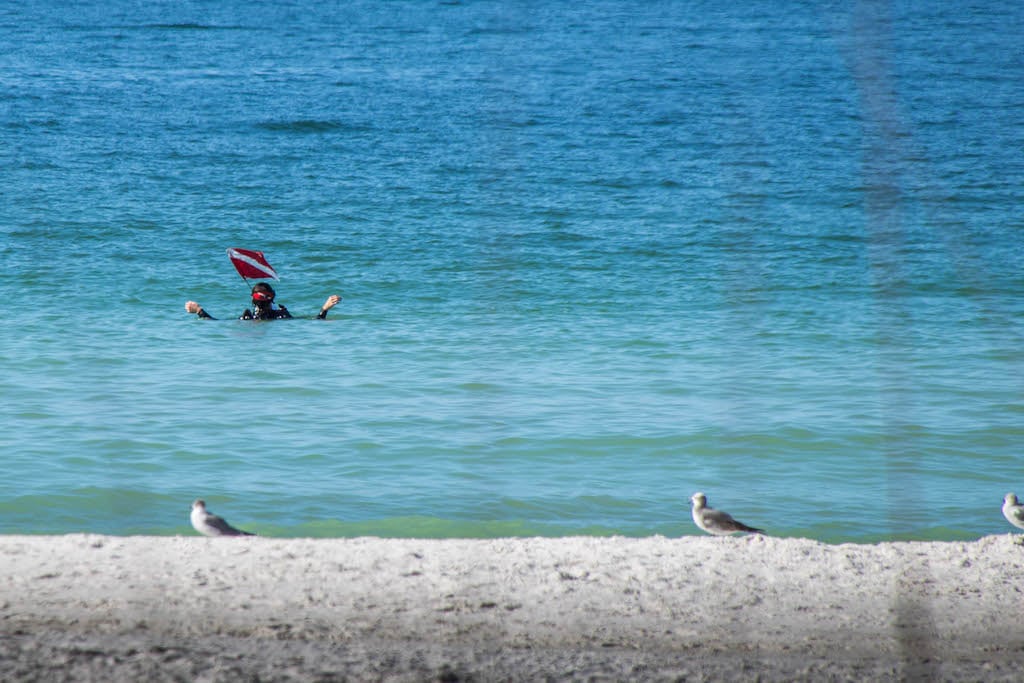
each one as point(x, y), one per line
point(252, 264)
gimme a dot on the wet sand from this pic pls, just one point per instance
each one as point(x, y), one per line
point(102, 608)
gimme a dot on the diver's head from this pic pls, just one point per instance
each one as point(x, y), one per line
point(262, 294)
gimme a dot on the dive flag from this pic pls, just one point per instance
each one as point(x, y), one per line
point(252, 264)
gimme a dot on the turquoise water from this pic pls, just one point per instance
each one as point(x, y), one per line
point(594, 257)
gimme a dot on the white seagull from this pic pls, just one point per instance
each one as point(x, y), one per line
point(716, 522)
point(1013, 510)
point(209, 524)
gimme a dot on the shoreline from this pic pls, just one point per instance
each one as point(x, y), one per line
point(89, 607)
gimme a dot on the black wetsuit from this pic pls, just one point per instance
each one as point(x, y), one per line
point(263, 313)
point(266, 313)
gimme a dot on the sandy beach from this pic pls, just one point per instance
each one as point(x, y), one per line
point(102, 608)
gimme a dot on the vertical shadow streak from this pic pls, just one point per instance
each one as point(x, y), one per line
point(871, 57)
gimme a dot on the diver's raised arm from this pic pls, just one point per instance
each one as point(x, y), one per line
point(331, 302)
point(193, 307)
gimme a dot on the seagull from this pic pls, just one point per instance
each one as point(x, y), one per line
point(211, 525)
point(1013, 510)
point(716, 522)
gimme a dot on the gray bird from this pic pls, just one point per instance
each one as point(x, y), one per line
point(211, 525)
point(1013, 510)
point(716, 522)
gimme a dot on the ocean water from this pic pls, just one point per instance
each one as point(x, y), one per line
point(594, 256)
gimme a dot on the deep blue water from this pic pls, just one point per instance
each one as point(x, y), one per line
point(594, 257)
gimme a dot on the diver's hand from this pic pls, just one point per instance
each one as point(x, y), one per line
point(192, 307)
point(331, 302)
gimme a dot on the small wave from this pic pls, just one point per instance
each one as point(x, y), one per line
point(309, 126)
point(32, 124)
point(500, 30)
point(191, 26)
point(479, 387)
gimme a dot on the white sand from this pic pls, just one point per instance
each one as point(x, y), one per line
point(187, 608)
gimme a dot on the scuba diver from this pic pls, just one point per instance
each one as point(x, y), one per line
point(263, 306)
